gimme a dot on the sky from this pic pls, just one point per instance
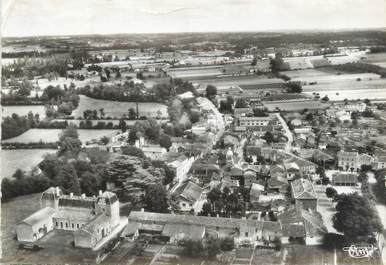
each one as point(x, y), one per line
point(70, 17)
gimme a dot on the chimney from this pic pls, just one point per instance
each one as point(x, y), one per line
point(100, 192)
point(71, 195)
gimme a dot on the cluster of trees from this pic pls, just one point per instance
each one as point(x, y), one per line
point(151, 130)
point(183, 113)
point(65, 99)
point(210, 248)
point(356, 217)
point(224, 203)
point(63, 169)
point(227, 105)
point(15, 125)
point(277, 64)
point(294, 87)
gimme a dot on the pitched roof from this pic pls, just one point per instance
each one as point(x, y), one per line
point(189, 191)
point(299, 223)
point(344, 178)
point(195, 232)
point(77, 201)
point(38, 216)
point(303, 189)
point(277, 182)
point(197, 220)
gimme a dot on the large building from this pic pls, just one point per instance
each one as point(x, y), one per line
point(179, 227)
point(91, 219)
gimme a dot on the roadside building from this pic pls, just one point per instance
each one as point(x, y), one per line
point(304, 194)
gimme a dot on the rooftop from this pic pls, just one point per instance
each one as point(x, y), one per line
point(303, 189)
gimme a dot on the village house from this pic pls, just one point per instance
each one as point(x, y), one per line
point(187, 195)
point(277, 185)
point(181, 166)
point(252, 122)
point(92, 220)
point(303, 193)
point(352, 160)
point(302, 226)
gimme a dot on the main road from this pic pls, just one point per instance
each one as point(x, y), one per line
point(288, 132)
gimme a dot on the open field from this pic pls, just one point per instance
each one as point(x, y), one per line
point(377, 59)
point(24, 159)
point(350, 89)
point(52, 135)
point(12, 212)
point(304, 73)
point(253, 82)
point(327, 79)
point(117, 109)
point(294, 105)
point(23, 110)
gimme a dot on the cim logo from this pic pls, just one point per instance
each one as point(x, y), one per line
point(358, 252)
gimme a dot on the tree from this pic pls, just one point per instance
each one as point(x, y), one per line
point(165, 141)
point(68, 180)
point(227, 244)
point(212, 247)
point(192, 248)
point(132, 151)
point(254, 61)
point(211, 91)
point(132, 114)
point(105, 140)
point(331, 192)
point(90, 183)
point(294, 87)
point(19, 174)
point(156, 199)
point(122, 125)
point(241, 103)
point(325, 98)
point(69, 143)
point(356, 217)
point(268, 137)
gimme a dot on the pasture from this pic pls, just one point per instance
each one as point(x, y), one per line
point(116, 109)
point(377, 59)
point(52, 135)
point(24, 159)
point(23, 110)
point(294, 105)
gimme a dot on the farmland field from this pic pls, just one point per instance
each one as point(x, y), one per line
point(372, 89)
point(24, 159)
point(297, 74)
point(117, 109)
point(241, 81)
point(13, 212)
point(52, 135)
point(377, 59)
point(23, 110)
point(294, 105)
point(327, 79)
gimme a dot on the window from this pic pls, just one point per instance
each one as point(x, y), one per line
point(246, 234)
point(56, 224)
point(61, 224)
point(183, 204)
point(72, 225)
point(66, 225)
point(217, 228)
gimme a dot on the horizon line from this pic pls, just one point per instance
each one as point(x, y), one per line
point(299, 30)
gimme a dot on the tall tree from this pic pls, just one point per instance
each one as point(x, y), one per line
point(68, 180)
point(356, 217)
point(156, 199)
